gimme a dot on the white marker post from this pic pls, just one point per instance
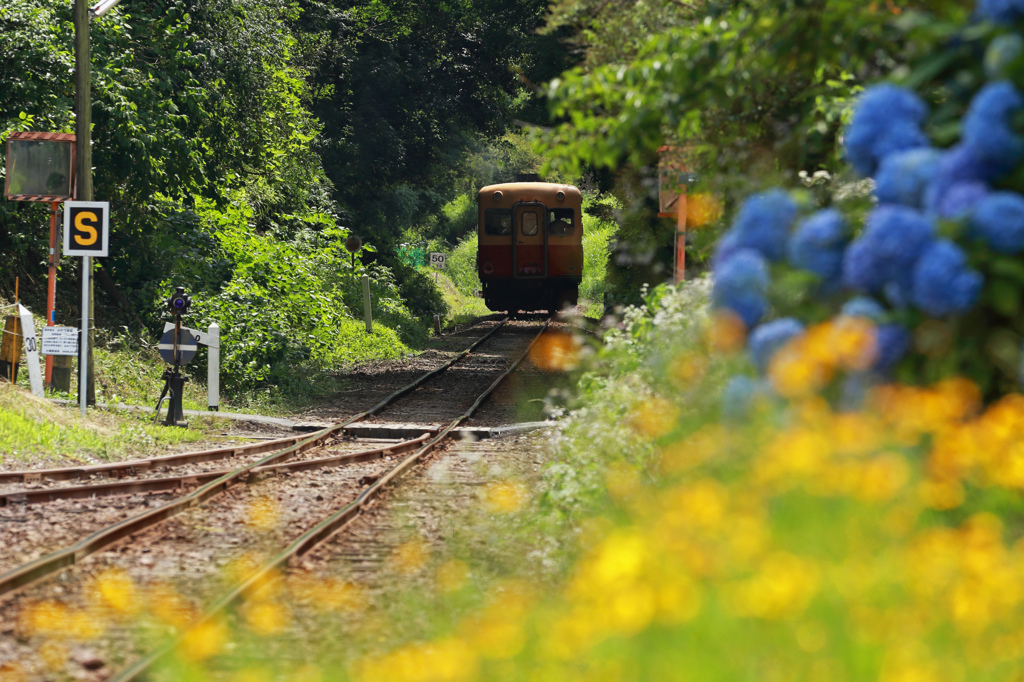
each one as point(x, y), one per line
point(86, 234)
point(28, 335)
point(213, 368)
point(437, 262)
point(366, 304)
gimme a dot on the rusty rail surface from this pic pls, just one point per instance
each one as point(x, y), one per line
point(325, 529)
point(137, 466)
point(33, 571)
point(169, 483)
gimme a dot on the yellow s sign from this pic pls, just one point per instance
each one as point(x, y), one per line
point(89, 234)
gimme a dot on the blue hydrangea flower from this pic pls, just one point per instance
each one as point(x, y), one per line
point(769, 337)
point(881, 260)
point(957, 164)
point(998, 220)
point(763, 223)
point(1002, 52)
point(943, 284)
point(1001, 11)
point(739, 396)
point(960, 199)
point(986, 126)
point(817, 245)
point(741, 284)
point(862, 306)
point(903, 176)
point(725, 248)
point(887, 120)
point(892, 341)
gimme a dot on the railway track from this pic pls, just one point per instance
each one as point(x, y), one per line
point(295, 477)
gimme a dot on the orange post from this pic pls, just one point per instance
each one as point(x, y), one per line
point(681, 236)
point(51, 285)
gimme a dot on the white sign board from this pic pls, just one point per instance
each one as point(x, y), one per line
point(437, 260)
point(201, 337)
point(60, 341)
point(28, 330)
point(87, 228)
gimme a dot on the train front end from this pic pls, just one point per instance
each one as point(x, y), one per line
point(530, 248)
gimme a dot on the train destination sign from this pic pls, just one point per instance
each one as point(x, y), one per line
point(60, 341)
point(87, 228)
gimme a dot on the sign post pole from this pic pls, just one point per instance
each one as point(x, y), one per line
point(213, 368)
point(680, 268)
point(51, 286)
point(86, 234)
point(366, 304)
point(83, 364)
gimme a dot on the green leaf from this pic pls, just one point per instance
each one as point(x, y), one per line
point(1005, 296)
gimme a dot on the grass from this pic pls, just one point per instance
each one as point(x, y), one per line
point(37, 431)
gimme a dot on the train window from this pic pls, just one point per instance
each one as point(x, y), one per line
point(530, 224)
point(498, 222)
point(561, 221)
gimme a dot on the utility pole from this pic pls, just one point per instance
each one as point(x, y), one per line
point(83, 156)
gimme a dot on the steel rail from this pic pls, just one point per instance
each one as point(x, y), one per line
point(325, 529)
point(33, 571)
point(137, 466)
point(156, 485)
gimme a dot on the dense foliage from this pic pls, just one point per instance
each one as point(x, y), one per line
point(753, 91)
point(928, 270)
point(241, 142)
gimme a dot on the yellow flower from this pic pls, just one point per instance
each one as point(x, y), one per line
point(410, 557)
point(55, 618)
point(556, 352)
point(622, 480)
point(727, 334)
point(12, 671)
point(796, 370)
point(205, 640)
point(702, 208)
point(452, 576)
point(782, 587)
point(941, 494)
point(505, 497)
point(688, 368)
point(707, 443)
point(883, 477)
point(853, 343)
point(54, 654)
point(267, 618)
point(654, 418)
point(115, 589)
point(252, 675)
point(264, 513)
point(167, 605)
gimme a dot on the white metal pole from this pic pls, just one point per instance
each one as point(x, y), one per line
point(83, 363)
point(213, 368)
point(366, 304)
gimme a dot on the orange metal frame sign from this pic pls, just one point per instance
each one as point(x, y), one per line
point(25, 136)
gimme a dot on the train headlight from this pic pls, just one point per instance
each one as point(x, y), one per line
point(560, 195)
point(497, 196)
point(488, 268)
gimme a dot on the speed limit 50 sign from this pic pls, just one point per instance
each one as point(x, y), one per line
point(86, 228)
point(437, 260)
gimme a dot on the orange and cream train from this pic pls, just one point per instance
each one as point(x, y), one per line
point(530, 249)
